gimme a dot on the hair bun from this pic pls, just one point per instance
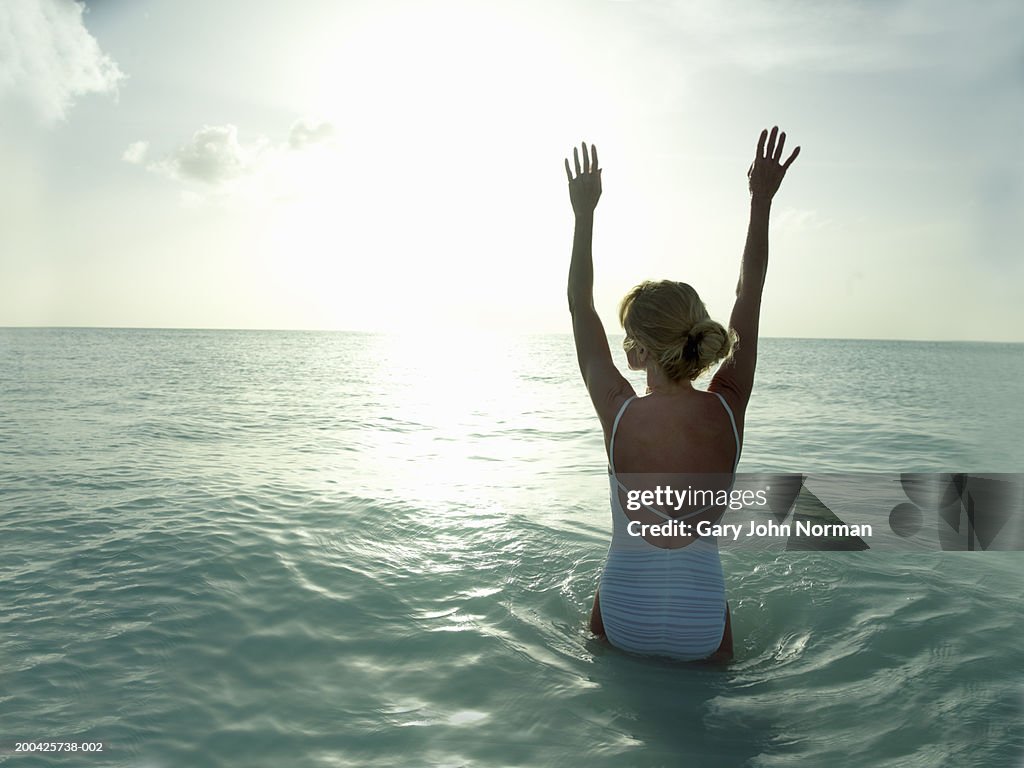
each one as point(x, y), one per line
point(691, 347)
point(709, 341)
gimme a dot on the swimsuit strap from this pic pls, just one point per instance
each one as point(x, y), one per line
point(615, 426)
point(735, 432)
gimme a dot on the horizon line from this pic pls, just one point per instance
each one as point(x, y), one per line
point(501, 332)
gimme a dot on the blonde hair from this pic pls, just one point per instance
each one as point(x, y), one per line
point(670, 321)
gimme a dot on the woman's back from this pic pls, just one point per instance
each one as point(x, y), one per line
point(662, 588)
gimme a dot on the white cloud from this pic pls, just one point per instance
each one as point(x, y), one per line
point(305, 132)
point(48, 57)
point(213, 156)
point(225, 166)
point(136, 152)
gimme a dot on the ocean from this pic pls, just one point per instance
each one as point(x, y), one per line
point(258, 548)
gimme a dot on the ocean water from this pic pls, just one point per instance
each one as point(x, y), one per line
point(252, 548)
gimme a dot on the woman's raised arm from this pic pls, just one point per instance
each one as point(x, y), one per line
point(736, 376)
point(607, 387)
point(584, 192)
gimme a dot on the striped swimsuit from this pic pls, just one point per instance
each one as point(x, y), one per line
point(656, 601)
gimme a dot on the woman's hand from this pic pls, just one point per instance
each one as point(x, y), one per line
point(765, 173)
point(585, 189)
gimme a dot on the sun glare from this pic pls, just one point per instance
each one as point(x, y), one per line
point(446, 383)
point(448, 121)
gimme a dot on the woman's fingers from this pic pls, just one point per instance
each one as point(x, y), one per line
point(779, 146)
point(791, 158)
point(589, 161)
point(771, 143)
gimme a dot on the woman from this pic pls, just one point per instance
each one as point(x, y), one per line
point(662, 591)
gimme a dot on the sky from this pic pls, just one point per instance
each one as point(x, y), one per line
point(398, 166)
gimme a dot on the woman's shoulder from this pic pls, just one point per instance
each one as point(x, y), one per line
point(611, 410)
point(727, 384)
point(734, 397)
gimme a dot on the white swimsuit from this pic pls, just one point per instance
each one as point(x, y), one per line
point(659, 601)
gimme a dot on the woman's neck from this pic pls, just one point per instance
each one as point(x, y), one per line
point(659, 383)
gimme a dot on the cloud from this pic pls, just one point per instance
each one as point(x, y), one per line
point(48, 57)
point(213, 156)
point(305, 132)
point(218, 166)
point(136, 152)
